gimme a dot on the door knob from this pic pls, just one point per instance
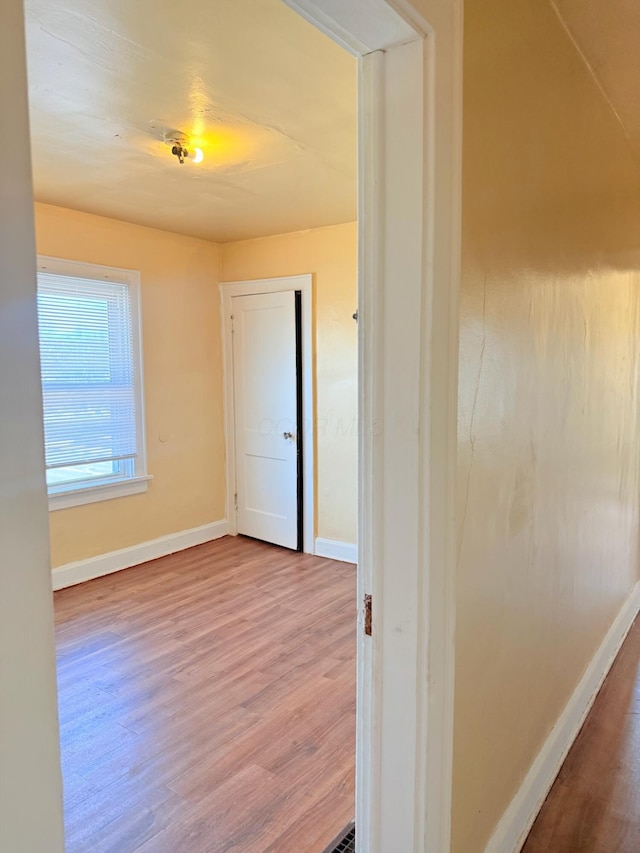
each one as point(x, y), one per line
point(288, 436)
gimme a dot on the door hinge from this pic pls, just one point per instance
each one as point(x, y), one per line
point(367, 615)
point(232, 326)
point(235, 500)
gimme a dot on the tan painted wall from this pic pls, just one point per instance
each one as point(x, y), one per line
point(549, 433)
point(183, 372)
point(331, 255)
point(30, 779)
point(182, 382)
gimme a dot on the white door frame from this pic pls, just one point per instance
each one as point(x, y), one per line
point(410, 110)
point(228, 290)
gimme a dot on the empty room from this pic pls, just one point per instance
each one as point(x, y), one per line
point(195, 186)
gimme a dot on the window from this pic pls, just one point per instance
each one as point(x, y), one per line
point(90, 359)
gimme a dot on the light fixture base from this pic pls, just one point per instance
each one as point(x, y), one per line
point(178, 142)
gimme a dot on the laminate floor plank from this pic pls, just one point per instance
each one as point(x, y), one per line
point(207, 703)
point(594, 804)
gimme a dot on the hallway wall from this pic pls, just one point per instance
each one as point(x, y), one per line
point(549, 432)
point(30, 780)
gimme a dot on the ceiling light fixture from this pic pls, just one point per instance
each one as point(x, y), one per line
point(178, 142)
point(180, 152)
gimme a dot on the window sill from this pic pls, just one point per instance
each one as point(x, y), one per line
point(93, 493)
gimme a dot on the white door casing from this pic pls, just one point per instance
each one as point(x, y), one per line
point(265, 416)
point(286, 284)
point(409, 152)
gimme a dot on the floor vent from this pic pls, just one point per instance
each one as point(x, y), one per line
point(345, 842)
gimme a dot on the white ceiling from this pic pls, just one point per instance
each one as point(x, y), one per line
point(607, 33)
point(270, 100)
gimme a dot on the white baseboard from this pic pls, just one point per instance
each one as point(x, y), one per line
point(512, 830)
point(115, 561)
point(346, 552)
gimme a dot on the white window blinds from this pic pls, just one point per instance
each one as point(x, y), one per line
point(88, 376)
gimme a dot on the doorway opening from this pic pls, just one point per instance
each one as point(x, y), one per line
point(265, 641)
point(410, 198)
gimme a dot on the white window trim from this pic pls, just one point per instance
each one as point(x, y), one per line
point(92, 493)
point(77, 494)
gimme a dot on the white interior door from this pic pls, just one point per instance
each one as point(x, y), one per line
point(266, 416)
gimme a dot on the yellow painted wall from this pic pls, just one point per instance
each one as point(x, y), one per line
point(549, 433)
point(330, 254)
point(183, 372)
point(182, 382)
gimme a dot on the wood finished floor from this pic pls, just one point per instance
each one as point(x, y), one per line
point(594, 805)
point(207, 703)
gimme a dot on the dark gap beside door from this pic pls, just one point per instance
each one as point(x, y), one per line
point(300, 419)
